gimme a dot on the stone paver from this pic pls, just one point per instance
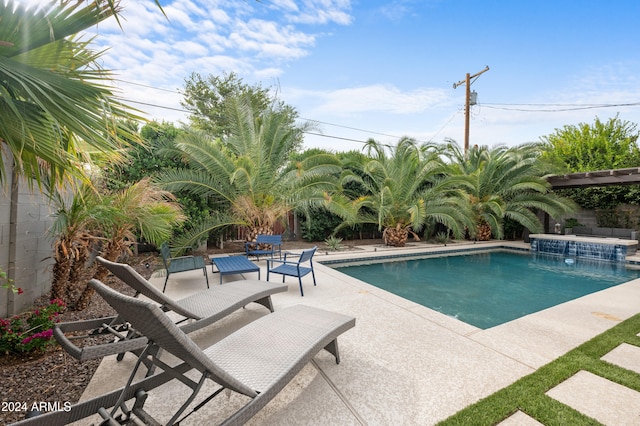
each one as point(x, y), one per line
point(519, 419)
point(608, 402)
point(625, 356)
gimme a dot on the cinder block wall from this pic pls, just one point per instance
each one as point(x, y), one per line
point(25, 248)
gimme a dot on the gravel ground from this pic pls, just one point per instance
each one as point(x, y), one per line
point(55, 376)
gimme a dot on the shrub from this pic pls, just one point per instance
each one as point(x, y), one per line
point(333, 243)
point(572, 222)
point(442, 238)
point(30, 331)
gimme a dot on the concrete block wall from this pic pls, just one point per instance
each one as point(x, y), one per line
point(25, 248)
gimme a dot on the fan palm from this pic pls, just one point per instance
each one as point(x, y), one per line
point(108, 225)
point(403, 192)
point(504, 182)
point(54, 100)
point(249, 173)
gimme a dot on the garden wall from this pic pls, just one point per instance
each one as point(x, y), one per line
point(25, 249)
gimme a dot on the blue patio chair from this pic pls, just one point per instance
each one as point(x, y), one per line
point(293, 269)
point(264, 245)
point(180, 264)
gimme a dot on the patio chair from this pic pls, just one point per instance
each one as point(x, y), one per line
point(257, 248)
point(293, 269)
point(197, 311)
point(180, 264)
point(257, 361)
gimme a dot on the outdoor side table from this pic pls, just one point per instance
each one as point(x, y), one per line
point(229, 265)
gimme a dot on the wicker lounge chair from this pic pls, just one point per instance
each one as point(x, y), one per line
point(202, 309)
point(257, 361)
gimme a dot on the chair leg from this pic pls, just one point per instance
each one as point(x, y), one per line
point(165, 282)
point(300, 281)
point(206, 277)
point(332, 348)
point(314, 276)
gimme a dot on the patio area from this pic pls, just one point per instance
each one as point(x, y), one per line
point(402, 363)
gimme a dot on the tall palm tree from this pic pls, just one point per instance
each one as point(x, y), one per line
point(403, 190)
point(249, 173)
point(504, 182)
point(54, 100)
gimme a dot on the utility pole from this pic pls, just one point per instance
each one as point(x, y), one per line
point(467, 82)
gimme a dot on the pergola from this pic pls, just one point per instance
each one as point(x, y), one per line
point(629, 176)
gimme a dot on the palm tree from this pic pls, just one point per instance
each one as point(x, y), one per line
point(108, 225)
point(504, 182)
point(249, 173)
point(54, 100)
point(401, 192)
point(72, 244)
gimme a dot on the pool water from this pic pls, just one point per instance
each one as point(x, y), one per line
point(490, 288)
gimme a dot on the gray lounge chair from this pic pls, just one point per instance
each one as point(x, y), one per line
point(198, 310)
point(257, 361)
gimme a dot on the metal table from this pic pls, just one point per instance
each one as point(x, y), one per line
point(229, 265)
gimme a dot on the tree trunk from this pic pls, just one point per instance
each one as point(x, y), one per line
point(60, 273)
point(395, 237)
point(483, 231)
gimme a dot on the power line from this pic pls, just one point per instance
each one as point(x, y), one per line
point(445, 125)
point(566, 107)
point(498, 106)
point(308, 133)
point(351, 128)
point(146, 85)
point(156, 106)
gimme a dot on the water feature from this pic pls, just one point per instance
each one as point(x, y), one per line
point(609, 249)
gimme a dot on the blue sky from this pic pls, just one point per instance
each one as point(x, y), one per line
point(386, 69)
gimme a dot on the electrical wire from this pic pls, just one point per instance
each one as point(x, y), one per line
point(497, 106)
point(566, 107)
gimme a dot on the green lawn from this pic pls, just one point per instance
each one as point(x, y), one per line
point(528, 393)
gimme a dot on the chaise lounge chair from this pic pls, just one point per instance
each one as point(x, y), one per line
point(202, 309)
point(257, 361)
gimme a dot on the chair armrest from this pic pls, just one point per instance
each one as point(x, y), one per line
point(190, 256)
point(288, 253)
point(284, 262)
point(94, 327)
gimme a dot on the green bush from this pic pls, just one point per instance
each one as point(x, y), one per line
point(319, 226)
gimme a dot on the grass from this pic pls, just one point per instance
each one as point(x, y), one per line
point(528, 393)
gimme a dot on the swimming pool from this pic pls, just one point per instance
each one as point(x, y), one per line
point(490, 288)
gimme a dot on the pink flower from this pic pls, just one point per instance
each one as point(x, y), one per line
point(44, 335)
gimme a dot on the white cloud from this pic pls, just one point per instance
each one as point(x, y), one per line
point(269, 39)
point(315, 11)
point(380, 97)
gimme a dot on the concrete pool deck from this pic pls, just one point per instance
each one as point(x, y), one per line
point(403, 363)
